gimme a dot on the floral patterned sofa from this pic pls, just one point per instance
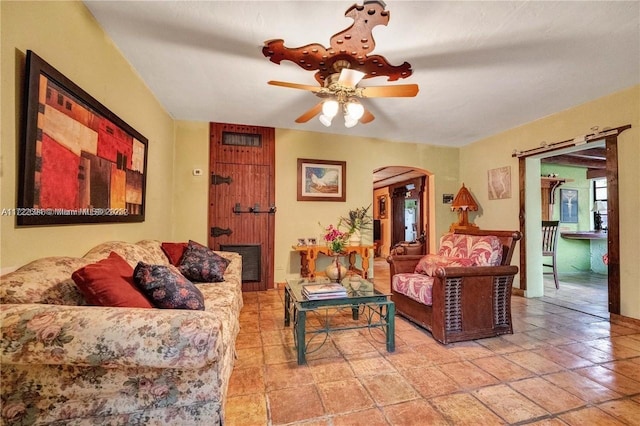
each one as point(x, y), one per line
point(66, 363)
point(461, 293)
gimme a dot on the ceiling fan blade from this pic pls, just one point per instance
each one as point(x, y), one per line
point(367, 117)
point(349, 77)
point(397, 91)
point(310, 113)
point(295, 85)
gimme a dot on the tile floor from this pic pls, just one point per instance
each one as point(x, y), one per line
point(560, 367)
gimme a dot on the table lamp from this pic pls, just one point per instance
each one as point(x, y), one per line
point(463, 203)
point(598, 206)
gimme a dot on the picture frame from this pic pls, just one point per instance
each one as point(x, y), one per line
point(382, 206)
point(569, 205)
point(79, 162)
point(322, 180)
point(499, 183)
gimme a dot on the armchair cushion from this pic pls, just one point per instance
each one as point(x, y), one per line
point(200, 264)
point(415, 286)
point(109, 282)
point(430, 262)
point(484, 250)
point(167, 288)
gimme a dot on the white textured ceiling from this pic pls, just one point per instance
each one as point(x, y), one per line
point(482, 67)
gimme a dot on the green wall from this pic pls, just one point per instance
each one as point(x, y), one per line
point(572, 255)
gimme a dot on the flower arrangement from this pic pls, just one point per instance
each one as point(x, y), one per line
point(357, 219)
point(336, 239)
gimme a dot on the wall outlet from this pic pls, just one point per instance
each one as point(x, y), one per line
point(197, 172)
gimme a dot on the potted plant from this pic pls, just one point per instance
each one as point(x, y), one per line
point(356, 221)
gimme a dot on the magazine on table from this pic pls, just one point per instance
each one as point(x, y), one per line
point(323, 290)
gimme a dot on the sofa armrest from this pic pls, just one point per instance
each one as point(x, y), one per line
point(403, 263)
point(108, 337)
point(471, 271)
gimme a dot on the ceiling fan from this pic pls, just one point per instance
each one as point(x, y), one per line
point(341, 67)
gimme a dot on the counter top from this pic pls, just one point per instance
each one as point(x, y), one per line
point(583, 235)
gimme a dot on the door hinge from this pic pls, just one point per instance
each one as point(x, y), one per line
point(219, 180)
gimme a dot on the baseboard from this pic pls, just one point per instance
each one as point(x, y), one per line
point(517, 292)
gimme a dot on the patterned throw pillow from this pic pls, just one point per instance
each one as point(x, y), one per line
point(200, 264)
point(167, 288)
point(430, 262)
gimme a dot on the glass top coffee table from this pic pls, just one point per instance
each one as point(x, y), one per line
point(361, 297)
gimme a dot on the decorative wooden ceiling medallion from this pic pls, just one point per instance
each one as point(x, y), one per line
point(350, 48)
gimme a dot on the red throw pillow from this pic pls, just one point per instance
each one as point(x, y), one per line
point(109, 282)
point(174, 252)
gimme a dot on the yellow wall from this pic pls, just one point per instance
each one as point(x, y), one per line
point(615, 110)
point(299, 219)
point(67, 36)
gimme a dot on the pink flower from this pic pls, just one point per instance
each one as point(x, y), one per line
point(48, 334)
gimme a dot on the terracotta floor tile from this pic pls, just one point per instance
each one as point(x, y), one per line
point(548, 422)
point(370, 417)
point(248, 340)
point(591, 416)
point(272, 337)
point(344, 396)
point(330, 369)
point(588, 352)
point(246, 410)
point(390, 388)
point(502, 368)
point(469, 350)
point(550, 337)
point(437, 353)
point(354, 345)
point(468, 376)
point(524, 341)
point(464, 409)
point(581, 386)
point(294, 404)
point(370, 364)
point(534, 362)
point(627, 341)
point(563, 358)
point(414, 413)
point(624, 410)
point(246, 381)
point(279, 354)
point(414, 337)
point(499, 345)
point(408, 359)
point(249, 357)
point(614, 347)
point(626, 368)
point(327, 350)
point(286, 375)
point(611, 379)
point(547, 395)
point(430, 381)
point(509, 404)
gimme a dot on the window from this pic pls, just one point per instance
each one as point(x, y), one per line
point(600, 201)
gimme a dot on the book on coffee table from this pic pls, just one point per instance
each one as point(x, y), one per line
point(324, 291)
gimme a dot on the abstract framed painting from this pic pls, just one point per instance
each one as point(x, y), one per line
point(79, 162)
point(322, 180)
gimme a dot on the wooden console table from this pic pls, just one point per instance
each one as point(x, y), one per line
point(309, 254)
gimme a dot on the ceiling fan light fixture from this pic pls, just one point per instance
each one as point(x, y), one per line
point(330, 108)
point(325, 120)
point(349, 122)
point(354, 109)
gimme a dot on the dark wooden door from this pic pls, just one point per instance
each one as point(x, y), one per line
point(242, 198)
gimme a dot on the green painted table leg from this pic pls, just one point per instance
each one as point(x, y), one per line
point(300, 336)
point(391, 327)
point(287, 308)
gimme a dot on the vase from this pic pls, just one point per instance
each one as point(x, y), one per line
point(355, 238)
point(336, 271)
